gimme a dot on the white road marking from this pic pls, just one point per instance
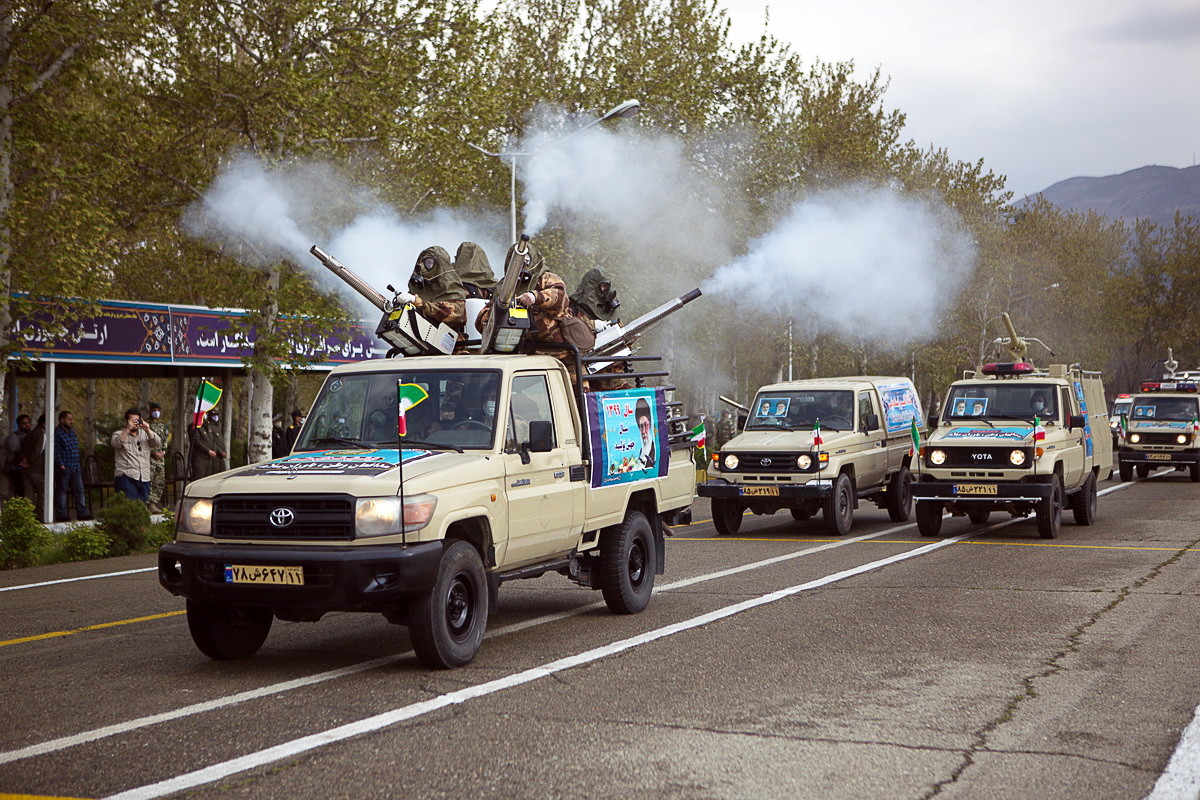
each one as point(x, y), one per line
point(73, 580)
point(304, 744)
point(1181, 777)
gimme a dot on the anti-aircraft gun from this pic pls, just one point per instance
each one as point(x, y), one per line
point(402, 326)
point(1016, 347)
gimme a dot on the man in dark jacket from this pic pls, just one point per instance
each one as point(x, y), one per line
point(207, 444)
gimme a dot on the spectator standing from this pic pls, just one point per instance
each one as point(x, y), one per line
point(68, 472)
point(158, 458)
point(277, 436)
point(289, 438)
point(206, 453)
point(33, 456)
point(726, 429)
point(132, 446)
point(12, 455)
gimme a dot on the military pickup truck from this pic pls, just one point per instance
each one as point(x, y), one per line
point(505, 471)
point(1015, 438)
point(1161, 428)
point(819, 445)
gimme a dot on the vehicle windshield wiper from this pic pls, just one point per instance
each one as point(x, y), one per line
point(345, 442)
point(971, 419)
point(1024, 417)
point(426, 445)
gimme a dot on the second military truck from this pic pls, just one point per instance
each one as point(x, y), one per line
point(819, 445)
point(1160, 428)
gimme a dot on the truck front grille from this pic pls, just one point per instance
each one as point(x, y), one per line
point(1159, 438)
point(329, 516)
point(763, 462)
point(980, 457)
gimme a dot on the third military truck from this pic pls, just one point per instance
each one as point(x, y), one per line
point(819, 445)
point(1161, 429)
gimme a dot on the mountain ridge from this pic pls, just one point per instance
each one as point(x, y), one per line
point(1152, 192)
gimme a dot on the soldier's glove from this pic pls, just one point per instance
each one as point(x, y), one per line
point(403, 298)
point(526, 300)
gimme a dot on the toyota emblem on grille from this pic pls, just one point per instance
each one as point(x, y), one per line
point(282, 517)
point(766, 462)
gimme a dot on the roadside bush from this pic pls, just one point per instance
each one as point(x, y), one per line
point(84, 543)
point(124, 522)
point(22, 538)
point(161, 532)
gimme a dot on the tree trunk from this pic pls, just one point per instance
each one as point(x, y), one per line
point(6, 192)
point(261, 409)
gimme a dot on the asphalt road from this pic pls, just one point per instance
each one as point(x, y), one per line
point(778, 663)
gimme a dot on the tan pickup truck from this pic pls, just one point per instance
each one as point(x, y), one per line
point(505, 471)
point(1161, 428)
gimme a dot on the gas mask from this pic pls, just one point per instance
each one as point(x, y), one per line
point(608, 298)
point(424, 266)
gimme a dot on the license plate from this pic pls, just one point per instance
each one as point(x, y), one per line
point(759, 491)
point(241, 573)
point(974, 488)
point(1158, 456)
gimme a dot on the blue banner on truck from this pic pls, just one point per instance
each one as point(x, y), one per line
point(627, 429)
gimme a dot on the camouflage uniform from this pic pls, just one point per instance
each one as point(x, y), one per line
point(440, 296)
point(726, 429)
point(158, 461)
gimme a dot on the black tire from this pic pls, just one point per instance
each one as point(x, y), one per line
point(899, 496)
point(980, 517)
point(1049, 511)
point(1195, 472)
point(727, 516)
point(227, 632)
point(929, 519)
point(837, 508)
point(801, 514)
point(1083, 502)
point(627, 564)
point(1143, 470)
point(1125, 469)
point(447, 622)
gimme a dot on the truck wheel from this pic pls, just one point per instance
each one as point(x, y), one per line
point(802, 513)
point(1126, 471)
point(979, 517)
point(899, 496)
point(1083, 502)
point(227, 632)
point(727, 516)
point(838, 507)
point(446, 623)
point(1195, 472)
point(627, 565)
point(1049, 511)
point(929, 519)
point(1143, 470)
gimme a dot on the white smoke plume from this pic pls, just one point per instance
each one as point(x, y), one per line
point(270, 213)
point(870, 263)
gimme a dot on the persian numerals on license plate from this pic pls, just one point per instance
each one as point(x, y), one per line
point(974, 488)
point(1158, 456)
point(772, 491)
point(242, 573)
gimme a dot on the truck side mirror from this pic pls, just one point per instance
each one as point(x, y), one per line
point(931, 421)
point(541, 436)
point(872, 422)
point(1076, 421)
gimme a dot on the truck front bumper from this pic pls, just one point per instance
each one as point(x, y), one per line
point(965, 492)
point(753, 492)
point(1159, 458)
point(335, 579)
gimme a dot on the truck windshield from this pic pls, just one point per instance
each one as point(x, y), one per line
point(1003, 400)
point(800, 410)
point(360, 410)
point(1166, 408)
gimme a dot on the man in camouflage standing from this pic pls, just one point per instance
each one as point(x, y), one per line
point(158, 458)
point(726, 430)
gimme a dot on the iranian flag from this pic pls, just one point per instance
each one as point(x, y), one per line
point(1039, 433)
point(206, 397)
point(697, 435)
point(1122, 426)
point(1195, 424)
point(407, 396)
point(915, 435)
point(817, 440)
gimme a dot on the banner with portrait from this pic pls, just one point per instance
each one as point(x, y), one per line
point(627, 430)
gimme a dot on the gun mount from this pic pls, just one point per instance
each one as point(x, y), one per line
point(1016, 347)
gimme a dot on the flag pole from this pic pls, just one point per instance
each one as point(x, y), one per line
point(401, 432)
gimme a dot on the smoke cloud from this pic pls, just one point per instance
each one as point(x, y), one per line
point(869, 263)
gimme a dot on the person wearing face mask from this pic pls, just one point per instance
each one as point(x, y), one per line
point(158, 458)
point(436, 290)
point(596, 299)
point(207, 453)
point(293, 430)
point(1039, 405)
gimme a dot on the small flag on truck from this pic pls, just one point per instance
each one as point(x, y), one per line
point(817, 440)
point(915, 435)
point(407, 396)
point(1039, 432)
point(697, 435)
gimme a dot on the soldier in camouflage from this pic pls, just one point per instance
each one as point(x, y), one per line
point(158, 458)
point(596, 299)
point(437, 291)
point(473, 269)
point(726, 430)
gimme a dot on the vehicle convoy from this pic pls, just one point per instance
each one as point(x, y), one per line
point(818, 445)
point(1161, 429)
point(419, 484)
point(1015, 438)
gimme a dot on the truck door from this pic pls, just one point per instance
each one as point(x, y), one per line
point(1073, 460)
point(540, 493)
point(873, 464)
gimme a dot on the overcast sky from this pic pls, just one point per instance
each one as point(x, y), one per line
point(1041, 90)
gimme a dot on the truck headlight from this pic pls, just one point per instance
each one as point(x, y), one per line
point(804, 461)
point(1017, 457)
point(937, 457)
point(380, 516)
point(195, 516)
point(1182, 438)
point(731, 461)
point(1135, 437)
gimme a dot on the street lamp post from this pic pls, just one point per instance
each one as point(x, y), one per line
point(627, 109)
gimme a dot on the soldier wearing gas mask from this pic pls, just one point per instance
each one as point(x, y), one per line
point(435, 289)
point(473, 269)
point(596, 299)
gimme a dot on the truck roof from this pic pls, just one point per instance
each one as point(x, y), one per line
point(842, 382)
point(510, 363)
